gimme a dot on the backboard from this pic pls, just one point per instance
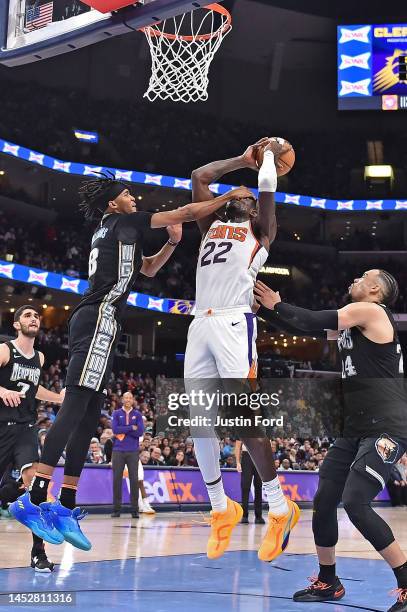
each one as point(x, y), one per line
point(31, 30)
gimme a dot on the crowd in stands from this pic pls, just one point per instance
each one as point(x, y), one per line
point(132, 136)
point(165, 448)
point(65, 250)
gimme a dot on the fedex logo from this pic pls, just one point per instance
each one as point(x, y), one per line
point(355, 61)
point(358, 34)
point(359, 87)
point(167, 489)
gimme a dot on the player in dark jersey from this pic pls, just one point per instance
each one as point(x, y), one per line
point(20, 373)
point(115, 260)
point(358, 465)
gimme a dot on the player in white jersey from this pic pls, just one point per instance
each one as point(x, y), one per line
point(222, 338)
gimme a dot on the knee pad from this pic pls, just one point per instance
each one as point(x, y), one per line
point(324, 519)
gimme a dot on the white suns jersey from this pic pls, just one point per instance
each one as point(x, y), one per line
point(230, 258)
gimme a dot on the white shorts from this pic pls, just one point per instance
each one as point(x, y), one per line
point(222, 344)
point(140, 471)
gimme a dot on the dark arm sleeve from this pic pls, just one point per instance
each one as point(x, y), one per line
point(300, 319)
point(271, 317)
point(129, 228)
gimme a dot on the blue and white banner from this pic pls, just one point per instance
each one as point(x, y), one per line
point(172, 182)
point(354, 61)
point(34, 276)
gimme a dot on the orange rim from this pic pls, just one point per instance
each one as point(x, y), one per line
point(217, 8)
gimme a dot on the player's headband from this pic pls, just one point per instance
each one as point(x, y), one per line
point(96, 193)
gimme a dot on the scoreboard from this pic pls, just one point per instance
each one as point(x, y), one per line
point(372, 67)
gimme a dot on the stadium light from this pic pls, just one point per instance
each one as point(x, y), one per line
point(379, 171)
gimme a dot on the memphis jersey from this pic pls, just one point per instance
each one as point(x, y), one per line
point(115, 259)
point(230, 258)
point(21, 374)
point(374, 389)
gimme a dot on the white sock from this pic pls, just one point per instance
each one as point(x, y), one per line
point(207, 452)
point(275, 497)
point(217, 496)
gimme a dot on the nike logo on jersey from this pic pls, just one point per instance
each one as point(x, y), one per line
point(233, 324)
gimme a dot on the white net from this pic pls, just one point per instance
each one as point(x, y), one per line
point(182, 49)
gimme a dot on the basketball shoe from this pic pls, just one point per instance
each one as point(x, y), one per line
point(320, 591)
point(32, 517)
point(222, 525)
point(401, 603)
point(278, 532)
point(66, 522)
point(41, 563)
point(144, 506)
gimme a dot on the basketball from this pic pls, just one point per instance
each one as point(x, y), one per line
point(285, 161)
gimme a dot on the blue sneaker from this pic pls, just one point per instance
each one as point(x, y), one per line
point(66, 522)
point(32, 517)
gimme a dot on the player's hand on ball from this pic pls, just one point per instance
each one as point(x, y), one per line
point(175, 232)
point(266, 296)
point(278, 148)
point(10, 398)
point(239, 193)
point(249, 156)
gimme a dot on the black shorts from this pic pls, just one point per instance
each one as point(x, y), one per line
point(93, 336)
point(372, 457)
point(18, 446)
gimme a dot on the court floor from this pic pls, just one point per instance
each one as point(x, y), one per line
point(159, 563)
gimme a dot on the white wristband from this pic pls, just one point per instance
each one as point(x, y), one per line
point(268, 173)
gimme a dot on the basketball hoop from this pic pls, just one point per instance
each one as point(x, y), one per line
point(182, 49)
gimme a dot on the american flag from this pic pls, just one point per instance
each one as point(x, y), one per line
point(38, 16)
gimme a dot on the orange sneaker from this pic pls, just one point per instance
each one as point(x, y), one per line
point(278, 532)
point(222, 525)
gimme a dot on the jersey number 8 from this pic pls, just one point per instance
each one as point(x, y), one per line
point(93, 261)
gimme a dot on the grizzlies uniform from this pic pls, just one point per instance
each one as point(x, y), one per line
point(222, 337)
point(375, 408)
point(18, 434)
point(94, 327)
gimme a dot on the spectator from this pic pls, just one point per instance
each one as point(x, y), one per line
point(145, 457)
point(155, 458)
point(127, 427)
point(167, 455)
point(179, 460)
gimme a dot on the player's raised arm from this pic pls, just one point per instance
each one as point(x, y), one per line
point(265, 224)
point(197, 210)
point(202, 178)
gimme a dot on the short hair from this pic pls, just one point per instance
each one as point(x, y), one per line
point(390, 286)
point(20, 311)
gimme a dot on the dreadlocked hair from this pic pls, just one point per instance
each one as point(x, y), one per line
point(97, 192)
point(390, 288)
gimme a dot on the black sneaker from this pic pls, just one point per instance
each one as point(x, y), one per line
point(135, 515)
point(259, 520)
point(401, 603)
point(320, 591)
point(40, 562)
point(245, 520)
